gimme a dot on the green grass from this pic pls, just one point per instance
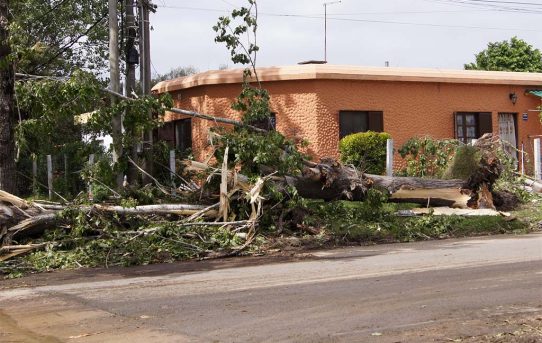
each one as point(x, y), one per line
point(371, 222)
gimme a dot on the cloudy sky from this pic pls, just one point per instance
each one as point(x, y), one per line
point(407, 33)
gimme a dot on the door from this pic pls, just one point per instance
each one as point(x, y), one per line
point(507, 132)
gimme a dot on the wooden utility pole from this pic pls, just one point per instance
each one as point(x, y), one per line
point(145, 46)
point(131, 55)
point(114, 74)
point(8, 174)
point(131, 58)
point(145, 72)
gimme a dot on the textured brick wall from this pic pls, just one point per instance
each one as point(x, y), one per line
point(309, 109)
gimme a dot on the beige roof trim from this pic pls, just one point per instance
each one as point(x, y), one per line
point(335, 72)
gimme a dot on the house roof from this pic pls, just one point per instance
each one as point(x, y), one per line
point(345, 72)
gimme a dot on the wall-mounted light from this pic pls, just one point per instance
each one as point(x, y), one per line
point(513, 97)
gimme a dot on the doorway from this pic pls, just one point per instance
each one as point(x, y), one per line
point(508, 133)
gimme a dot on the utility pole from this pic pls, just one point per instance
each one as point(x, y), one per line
point(8, 174)
point(132, 58)
point(144, 46)
point(145, 74)
point(325, 25)
point(131, 54)
point(114, 75)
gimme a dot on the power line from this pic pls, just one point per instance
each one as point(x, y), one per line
point(68, 45)
point(505, 2)
point(285, 15)
point(489, 6)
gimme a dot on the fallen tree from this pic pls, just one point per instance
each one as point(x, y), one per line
point(330, 180)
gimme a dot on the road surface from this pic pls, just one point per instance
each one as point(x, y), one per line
point(468, 290)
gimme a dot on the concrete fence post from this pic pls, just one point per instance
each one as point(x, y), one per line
point(172, 169)
point(34, 173)
point(537, 166)
point(389, 157)
point(90, 163)
point(50, 175)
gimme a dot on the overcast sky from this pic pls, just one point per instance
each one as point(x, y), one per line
point(407, 33)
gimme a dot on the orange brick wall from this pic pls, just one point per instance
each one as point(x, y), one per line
point(309, 109)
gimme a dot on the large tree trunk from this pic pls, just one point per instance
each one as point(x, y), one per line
point(330, 180)
point(7, 142)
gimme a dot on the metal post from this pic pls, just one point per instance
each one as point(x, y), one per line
point(172, 169)
point(325, 25)
point(522, 159)
point(50, 176)
point(537, 173)
point(325, 32)
point(389, 157)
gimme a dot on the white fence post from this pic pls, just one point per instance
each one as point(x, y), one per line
point(522, 159)
point(34, 172)
point(50, 175)
point(389, 157)
point(537, 174)
point(172, 169)
point(90, 163)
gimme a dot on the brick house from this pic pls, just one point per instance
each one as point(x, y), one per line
point(323, 103)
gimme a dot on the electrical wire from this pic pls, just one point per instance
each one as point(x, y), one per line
point(330, 17)
point(71, 43)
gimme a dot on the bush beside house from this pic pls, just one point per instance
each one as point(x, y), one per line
point(366, 150)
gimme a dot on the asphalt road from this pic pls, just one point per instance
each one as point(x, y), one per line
point(473, 290)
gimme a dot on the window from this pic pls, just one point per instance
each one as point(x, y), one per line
point(269, 124)
point(183, 134)
point(472, 125)
point(360, 121)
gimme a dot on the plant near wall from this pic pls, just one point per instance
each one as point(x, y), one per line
point(365, 150)
point(248, 149)
point(427, 157)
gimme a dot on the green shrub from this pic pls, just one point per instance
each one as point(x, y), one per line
point(464, 163)
point(366, 150)
point(427, 157)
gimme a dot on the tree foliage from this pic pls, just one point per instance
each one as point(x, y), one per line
point(427, 157)
point(248, 149)
point(59, 37)
point(514, 55)
point(175, 73)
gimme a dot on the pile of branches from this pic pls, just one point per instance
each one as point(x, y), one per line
point(24, 225)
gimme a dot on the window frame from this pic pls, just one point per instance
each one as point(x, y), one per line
point(477, 125)
point(374, 121)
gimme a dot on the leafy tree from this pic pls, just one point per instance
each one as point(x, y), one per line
point(59, 37)
point(7, 148)
point(175, 73)
point(514, 55)
point(247, 148)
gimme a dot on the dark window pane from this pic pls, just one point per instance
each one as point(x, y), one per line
point(485, 123)
point(376, 121)
point(352, 122)
point(459, 119)
point(472, 125)
point(183, 134)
